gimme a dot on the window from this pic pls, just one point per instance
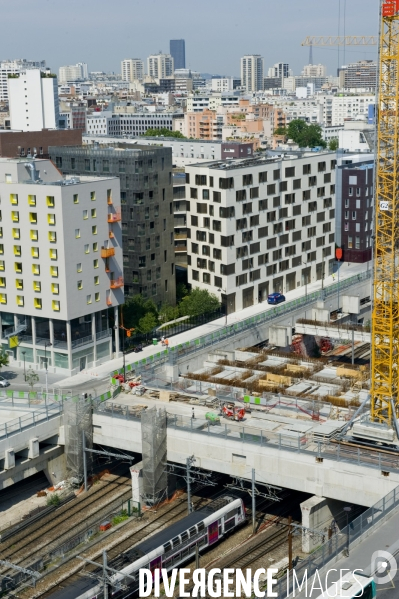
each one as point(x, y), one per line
point(262, 177)
point(296, 184)
point(97, 296)
point(54, 271)
point(37, 286)
point(88, 299)
point(18, 267)
point(2, 265)
point(193, 193)
point(92, 196)
point(350, 242)
point(20, 300)
point(34, 252)
point(217, 254)
point(354, 215)
point(85, 214)
point(95, 263)
point(15, 216)
point(96, 280)
point(55, 288)
point(93, 212)
point(350, 192)
point(51, 219)
point(94, 230)
point(217, 197)
point(3, 298)
point(254, 192)
point(276, 174)
point(31, 200)
point(283, 185)
point(37, 302)
point(55, 304)
point(16, 233)
point(80, 285)
point(241, 194)
point(14, 199)
point(17, 250)
point(50, 201)
point(321, 167)
point(306, 169)
point(36, 269)
point(87, 248)
point(290, 171)
point(262, 232)
point(53, 254)
point(226, 183)
point(271, 189)
point(75, 198)
point(33, 217)
point(52, 237)
point(3, 282)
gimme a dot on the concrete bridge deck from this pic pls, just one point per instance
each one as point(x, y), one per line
point(282, 453)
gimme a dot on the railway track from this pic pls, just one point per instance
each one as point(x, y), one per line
point(259, 549)
point(57, 526)
point(116, 542)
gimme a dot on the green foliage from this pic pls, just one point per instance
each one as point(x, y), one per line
point(4, 358)
point(306, 136)
point(135, 308)
point(333, 144)
point(163, 131)
point(181, 291)
point(32, 378)
point(147, 323)
point(53, 499)
point(280, 131)
point(120, 518)
point(200, 301)
point(168, 312)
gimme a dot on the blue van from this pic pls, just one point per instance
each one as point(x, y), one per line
point(275, 298)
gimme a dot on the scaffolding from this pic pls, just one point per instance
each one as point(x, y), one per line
point(77, 420)
point(153, 436)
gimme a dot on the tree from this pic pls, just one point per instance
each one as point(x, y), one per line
point(163, 131)
point(32, 378)
point(333, 144)
point(147, 323)
point(200, 301)
point(4, 358)
point(135, 308)
point(168, 313)
point(305, 135)
point(280, 131)
point(181, 291)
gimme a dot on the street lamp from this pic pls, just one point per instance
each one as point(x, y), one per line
point(46, 345)
point(227, 304)
point(347, 510)
point(23, 354)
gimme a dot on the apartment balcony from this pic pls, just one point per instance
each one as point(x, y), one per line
point(116, 283)
point(114, 217)
point(107, 252)
point(180, 235)
point(180, 248)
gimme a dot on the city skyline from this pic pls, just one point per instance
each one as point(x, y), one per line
point(255, 31)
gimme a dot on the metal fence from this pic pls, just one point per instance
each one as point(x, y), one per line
point(230, 331)
point(33, 418)
point(334, 546)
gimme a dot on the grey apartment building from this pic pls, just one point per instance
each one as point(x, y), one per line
point(147, 218)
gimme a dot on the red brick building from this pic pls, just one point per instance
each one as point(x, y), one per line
point(22, 143)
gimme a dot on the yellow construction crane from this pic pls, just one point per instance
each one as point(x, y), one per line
point(340, 40)
point(385, 314)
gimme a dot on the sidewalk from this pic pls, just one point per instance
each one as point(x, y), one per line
point(104, 369)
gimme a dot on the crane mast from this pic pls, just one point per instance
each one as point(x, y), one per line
point(385, 314)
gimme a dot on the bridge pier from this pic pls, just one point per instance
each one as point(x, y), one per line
point(318, 513)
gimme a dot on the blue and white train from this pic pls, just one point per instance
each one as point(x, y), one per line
point(168, 549)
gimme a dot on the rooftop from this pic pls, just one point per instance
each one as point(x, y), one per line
point(258, 161)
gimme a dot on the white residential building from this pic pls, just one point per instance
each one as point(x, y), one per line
point(252, 72)
point(314, 70)
point(97, 123)
point(223, 84)
point(33, 101)
point(132, 69)
point(280, 69)
point(336, 109)
point(74, 72)
point(199, 102)
point(260, 225)
point(61, 266)
point(160, 66)
point(11, 67)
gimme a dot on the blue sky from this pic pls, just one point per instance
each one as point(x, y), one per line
point(217, 32)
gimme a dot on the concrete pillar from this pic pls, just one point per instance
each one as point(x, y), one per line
point(69, 342)
point(9, 459)
point(93, 332)
point(33, 450)
point(317, 514)
point(136, 472)
point(116, 316)
point(56, 469)
point(34, 342)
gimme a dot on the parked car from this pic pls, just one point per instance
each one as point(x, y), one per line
point(275, 298)
point(4, 382)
